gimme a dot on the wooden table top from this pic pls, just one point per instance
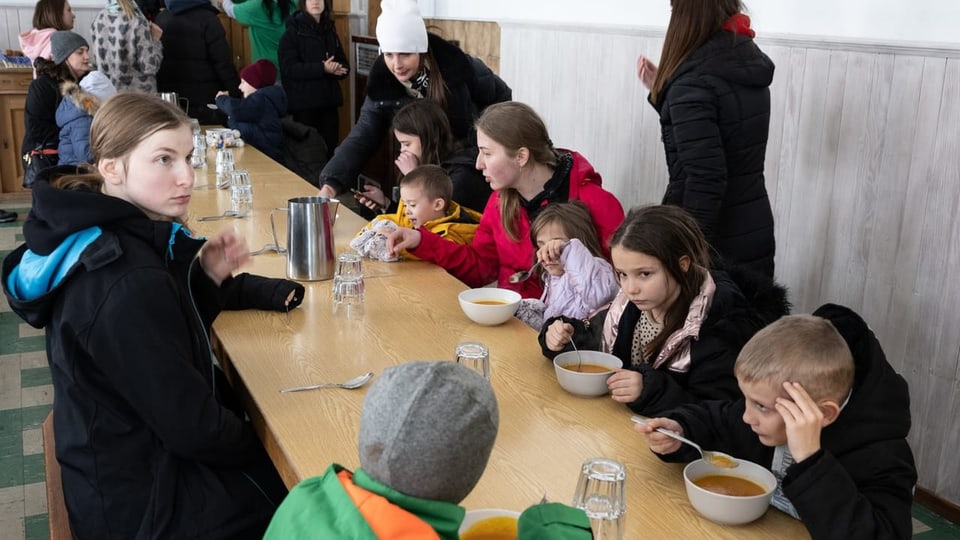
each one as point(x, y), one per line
point(412, 313)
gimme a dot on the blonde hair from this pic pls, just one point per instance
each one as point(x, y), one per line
point(433, 180)
point(799, 348)
point(516, 125)
point(113, 135)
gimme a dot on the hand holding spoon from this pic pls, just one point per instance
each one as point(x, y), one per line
point(717, 459)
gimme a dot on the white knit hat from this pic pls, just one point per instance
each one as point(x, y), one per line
point(400, 27)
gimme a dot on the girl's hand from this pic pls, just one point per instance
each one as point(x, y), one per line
point(401, 239)
point(372, 197)
point(657, 441)
point(625, 385)
point(155, 31)
point(558, 335)
point(550, 252)
point(327, 191)
point(223, 93)
point(223, 254)
point(646, 71)
point(803, 420)
point(407, 162)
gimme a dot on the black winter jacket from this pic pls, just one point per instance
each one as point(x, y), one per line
point(714, 118)
point(258, 117)
point(859, 486)
point(40, 114)
point(735, 315)
point(196, 57)
point(148, 444)
point(303, 48)
point(471, 88)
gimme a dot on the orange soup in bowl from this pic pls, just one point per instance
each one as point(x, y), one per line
point(490, 302)
point(588, 368)
point(729, 485)
point(492, 528)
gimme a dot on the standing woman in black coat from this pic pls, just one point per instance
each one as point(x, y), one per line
point(712, 93)
point(414, 65)
point(196, 57)
point(312, 62)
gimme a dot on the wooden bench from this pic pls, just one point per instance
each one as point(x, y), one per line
point(56, 509)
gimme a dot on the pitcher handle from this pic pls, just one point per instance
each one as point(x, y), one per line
point(273, 231)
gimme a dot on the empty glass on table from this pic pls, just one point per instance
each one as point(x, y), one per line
point(475, 356)
point(600, 493)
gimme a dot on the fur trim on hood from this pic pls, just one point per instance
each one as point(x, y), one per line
point(84, 101)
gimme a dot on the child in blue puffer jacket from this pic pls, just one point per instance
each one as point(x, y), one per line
point(75, 114)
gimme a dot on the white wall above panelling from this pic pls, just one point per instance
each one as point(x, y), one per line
point(924, 21)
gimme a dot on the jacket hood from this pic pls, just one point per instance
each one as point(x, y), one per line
point(879, 404)
point(276, 97)
point(84, 103)
point(731, 56)
point(34, 43)
point(179, 6)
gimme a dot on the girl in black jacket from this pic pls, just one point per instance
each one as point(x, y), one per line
point(414, 65)
point(712, 93)
point(676, 324)
point(312, 62)
point(147, 433)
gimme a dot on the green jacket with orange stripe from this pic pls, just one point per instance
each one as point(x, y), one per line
point(346, 505)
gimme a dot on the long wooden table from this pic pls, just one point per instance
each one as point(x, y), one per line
point(412, 313)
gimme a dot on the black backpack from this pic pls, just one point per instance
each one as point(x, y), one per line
point(304, 151)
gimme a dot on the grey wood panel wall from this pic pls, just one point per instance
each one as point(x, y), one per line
point(862, 170)
point(16, 19)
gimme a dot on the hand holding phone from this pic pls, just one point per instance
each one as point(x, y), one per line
point(367, 198)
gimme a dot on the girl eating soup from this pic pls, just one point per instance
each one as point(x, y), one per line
point(676, 324)
point(577, 279)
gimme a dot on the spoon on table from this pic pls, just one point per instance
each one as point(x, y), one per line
point(353, 383)
point(524, 274)
point(717, 459)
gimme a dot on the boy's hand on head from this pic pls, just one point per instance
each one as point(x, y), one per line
point(657, 441)
point(406, 162)
point(401, 239)
point(558, 335)
point(802, 419)
point(625, 385)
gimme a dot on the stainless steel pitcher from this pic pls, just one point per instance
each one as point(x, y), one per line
point(176, 101)
point(311, 254)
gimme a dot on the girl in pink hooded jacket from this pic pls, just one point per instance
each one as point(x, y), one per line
point(48, 17)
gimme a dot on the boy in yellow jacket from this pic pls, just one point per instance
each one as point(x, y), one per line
point(425, 202)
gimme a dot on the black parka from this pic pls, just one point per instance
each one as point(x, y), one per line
point(303, 48)
point(196, 57)
point(471, 85)
point(714, 119)
point(40, 114)
point(147, 436)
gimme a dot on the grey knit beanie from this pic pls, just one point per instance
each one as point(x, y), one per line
point(63, 43)
point(427, 429)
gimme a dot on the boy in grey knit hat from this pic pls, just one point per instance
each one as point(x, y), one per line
point(426, 433)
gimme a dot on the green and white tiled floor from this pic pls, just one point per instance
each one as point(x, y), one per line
point(26, 396)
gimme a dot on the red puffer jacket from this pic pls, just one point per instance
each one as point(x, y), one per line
point(494, 256)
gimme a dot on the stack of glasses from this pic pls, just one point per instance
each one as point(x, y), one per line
point(224, 167)
point(348, 286)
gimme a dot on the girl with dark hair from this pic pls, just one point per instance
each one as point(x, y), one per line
point(423, 133)
point(526, 174)
point(676, 324)
point(312, 63)
point(712, 93)
point(150, 439)
point(414, 65)
point(265, 21)
point(48, 17)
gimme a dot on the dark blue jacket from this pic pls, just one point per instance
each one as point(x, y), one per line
point(258, 117)
point(74, 117)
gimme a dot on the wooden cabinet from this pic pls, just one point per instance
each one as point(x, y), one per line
point(14, 83)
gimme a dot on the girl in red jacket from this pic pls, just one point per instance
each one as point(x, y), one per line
point(526, 173)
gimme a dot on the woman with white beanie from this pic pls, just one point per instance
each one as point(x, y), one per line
point(413, 65)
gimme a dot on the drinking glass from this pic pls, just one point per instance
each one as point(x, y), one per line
point(199, 158)
point(348, 297)
point(224, 167)
point(349, 266)
point(475, 356)
point(600, 493)
point(241, 193)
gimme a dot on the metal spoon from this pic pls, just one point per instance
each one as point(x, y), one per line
point(266, 248)
point(355, 382)
point(525, 274)
point(579, 358)
point(717, 459)
point(224, 215)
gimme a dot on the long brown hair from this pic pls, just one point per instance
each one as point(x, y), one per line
point(426, 119)
point(667, 233)
point(49, 14)
point(59, 72)
point(516, 125)
point(437, 90)
point(113, 135)
point(574, 217)
point(692, 22)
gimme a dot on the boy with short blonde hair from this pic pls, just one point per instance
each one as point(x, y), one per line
point(425, 202)
point(826, 413)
